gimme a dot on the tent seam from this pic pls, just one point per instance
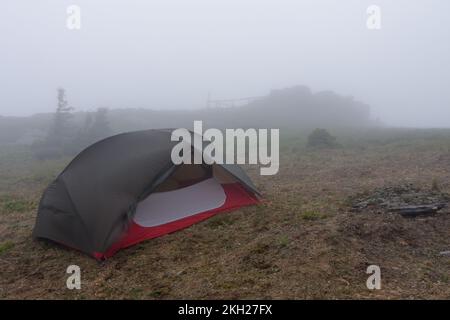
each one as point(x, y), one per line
point(77, 213)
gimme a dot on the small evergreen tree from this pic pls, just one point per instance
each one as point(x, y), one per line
point(95, 128)
point(60, 129)
point(60, 134)
point(100, 127)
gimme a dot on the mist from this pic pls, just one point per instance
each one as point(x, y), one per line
point(168, 55)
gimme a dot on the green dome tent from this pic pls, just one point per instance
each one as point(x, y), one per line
point(125, 189)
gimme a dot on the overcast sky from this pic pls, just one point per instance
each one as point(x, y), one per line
point(170, 53)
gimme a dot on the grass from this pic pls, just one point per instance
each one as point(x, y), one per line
point(302, 242)
point(17, 205)
point(5, 246)
point(312, 215)
point(284, 241)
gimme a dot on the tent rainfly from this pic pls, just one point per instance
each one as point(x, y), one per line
point(125, 189)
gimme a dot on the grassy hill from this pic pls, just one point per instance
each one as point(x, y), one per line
point(291, 108)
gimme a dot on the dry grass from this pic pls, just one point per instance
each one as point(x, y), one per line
point(302, 242)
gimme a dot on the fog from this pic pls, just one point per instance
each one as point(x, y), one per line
point(170, 54)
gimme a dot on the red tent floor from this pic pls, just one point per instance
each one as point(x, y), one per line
point(236, 197)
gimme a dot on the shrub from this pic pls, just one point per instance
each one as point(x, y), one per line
point(321, 138)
